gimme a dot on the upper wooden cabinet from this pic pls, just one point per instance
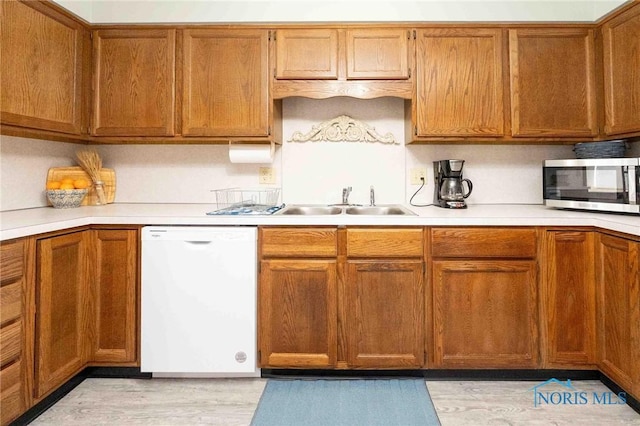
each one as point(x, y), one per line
point(621, 39)
point(459, 87)
point(553, 83)
point(307, 54)
point(358, 62)
point(42, 70)
point(134, 82)
point(354, 54)
point(378, 54)
point(225, 90)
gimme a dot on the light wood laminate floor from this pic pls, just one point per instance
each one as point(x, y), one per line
point(233, 401)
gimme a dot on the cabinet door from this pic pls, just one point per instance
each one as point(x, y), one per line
point(298, 313)
point(62, 309)
point(485, 314)
point(134, 79)
point(307, 54)
point(114, 293)
point(41, 70)
point(459, 82)
point(552, 82)
point(385, 313)
point(377, 54)
point(225, 83)
point(618, 316)
point(569, 300)
point(621, 37)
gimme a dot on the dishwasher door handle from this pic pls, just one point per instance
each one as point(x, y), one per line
point(200, 243)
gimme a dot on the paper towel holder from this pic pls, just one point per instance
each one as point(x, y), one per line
point(250, 143)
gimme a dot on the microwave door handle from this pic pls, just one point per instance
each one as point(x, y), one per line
point(632, 183)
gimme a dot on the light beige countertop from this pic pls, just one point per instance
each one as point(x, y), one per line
point(21, 223)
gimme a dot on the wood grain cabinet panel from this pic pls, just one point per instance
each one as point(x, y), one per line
point(134, 82)
point(569, 300)
point(617, 284)
point(385, 313)
point(62, 309)
point(485, 314)
point(377, 54)
point(14, 361)
point(459, 89)
point(225, 88)
point(553, 89)
point(42, 67)
point(621, 49)
point(114, 293)
point(386, 243)
point(484, 242)
point(298, 313)
point(298, 242)
point(306, 54)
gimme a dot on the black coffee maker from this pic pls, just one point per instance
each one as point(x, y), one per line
point(448, 184)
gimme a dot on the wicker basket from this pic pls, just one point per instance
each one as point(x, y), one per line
point(605, 149)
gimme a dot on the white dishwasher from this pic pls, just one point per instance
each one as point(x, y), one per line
point(199, 288)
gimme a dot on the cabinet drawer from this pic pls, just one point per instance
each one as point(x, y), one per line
point(11, 394)
point(384, 242)
point(10, 302)
point(10, 342)
point(11, 261)
point(483, 242)
point(298, 242)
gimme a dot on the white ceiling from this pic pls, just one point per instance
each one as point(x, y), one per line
point(236, 11)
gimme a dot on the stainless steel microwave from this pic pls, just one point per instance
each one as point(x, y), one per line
point(603, 184)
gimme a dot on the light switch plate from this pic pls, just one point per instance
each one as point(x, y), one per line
point(416, 173)
point(267, 175)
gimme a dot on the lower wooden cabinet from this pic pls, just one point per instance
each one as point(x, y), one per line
point(298, 320)
point(617, 285)
point(86, 303)
point(485, 314)
point(14, 360)
point(62, 309)
point(114, 293)
point(341, 298)
point(484, 297)
point(569, 300)
point(385, 313)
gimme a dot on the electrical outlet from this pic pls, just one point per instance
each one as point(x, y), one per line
point(416, 174)
point(267, 175)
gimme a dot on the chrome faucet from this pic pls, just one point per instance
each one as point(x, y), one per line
point(372, 196)
point(345, 195)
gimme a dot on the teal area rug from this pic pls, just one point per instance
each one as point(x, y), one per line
point(350, 402)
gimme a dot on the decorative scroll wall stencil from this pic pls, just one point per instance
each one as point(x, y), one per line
point(343, 129)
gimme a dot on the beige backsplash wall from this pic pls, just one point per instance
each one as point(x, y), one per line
point(23, 169)
point(311, 172)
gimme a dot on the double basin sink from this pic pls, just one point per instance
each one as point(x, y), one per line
point(386, 210)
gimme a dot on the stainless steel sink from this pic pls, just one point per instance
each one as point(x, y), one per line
point(311, 210)
point(379, 210)
point(359, 210)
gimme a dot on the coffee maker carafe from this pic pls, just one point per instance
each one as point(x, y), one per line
point(449, 189)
